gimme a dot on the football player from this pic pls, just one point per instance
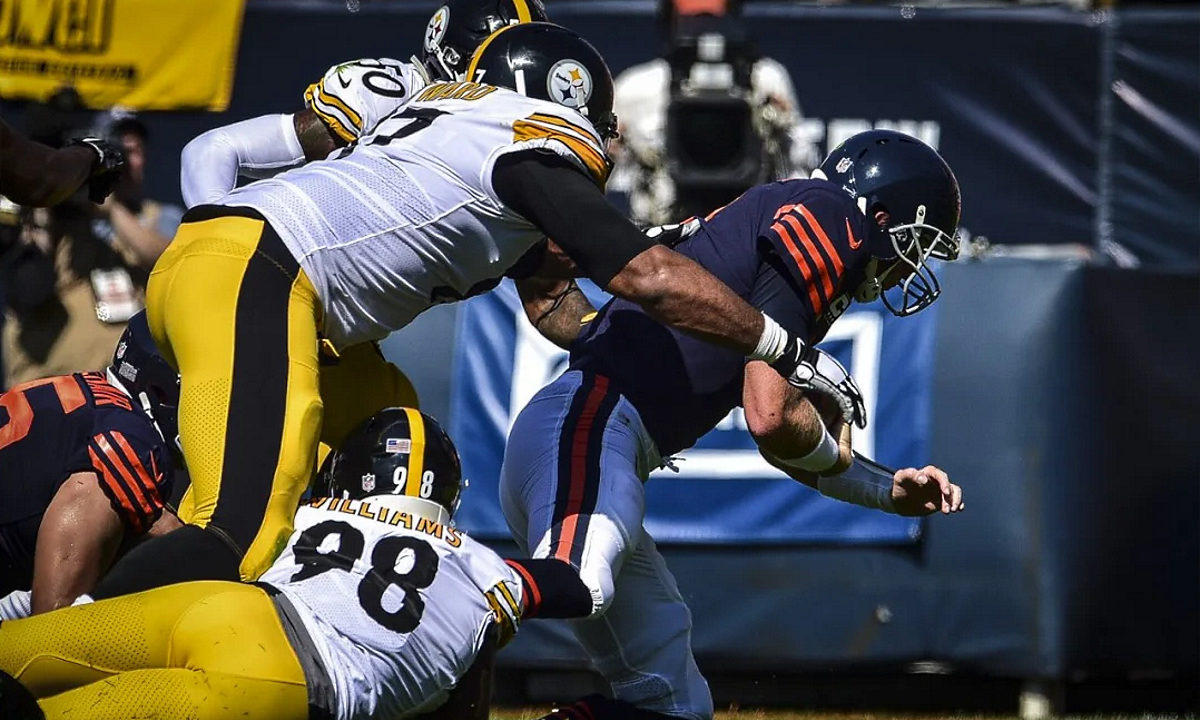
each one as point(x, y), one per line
point(356, 246)
point(37, 175)
point(87, 465)
point(348, 101)
point(377, 607)
point(882, 206)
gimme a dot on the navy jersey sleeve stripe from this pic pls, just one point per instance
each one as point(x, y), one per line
point(111, 484)
point(802, 263)
point(120, 478)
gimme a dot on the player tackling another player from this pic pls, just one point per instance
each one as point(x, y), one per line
point(437, 203)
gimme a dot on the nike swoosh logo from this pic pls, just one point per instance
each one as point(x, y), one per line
point(343, 81)
point(855, 243)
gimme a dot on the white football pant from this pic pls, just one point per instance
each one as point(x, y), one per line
point(571, 488)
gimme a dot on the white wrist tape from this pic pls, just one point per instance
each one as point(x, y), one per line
point(822, 457)
point(772, 343)
point(862, 485)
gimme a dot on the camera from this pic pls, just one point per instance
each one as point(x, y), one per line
point(714, 145)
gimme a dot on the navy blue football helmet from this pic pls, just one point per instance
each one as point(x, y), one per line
point(459, 26)
point(147, 377)
point(890, 172)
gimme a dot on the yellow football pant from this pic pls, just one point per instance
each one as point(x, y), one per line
point(195, 650)
point(231, 309)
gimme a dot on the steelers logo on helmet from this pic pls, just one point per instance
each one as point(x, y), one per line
point(570, 84)
point(435, 31)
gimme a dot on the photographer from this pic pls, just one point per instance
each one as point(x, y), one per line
point(707, 121)
point(74, 273)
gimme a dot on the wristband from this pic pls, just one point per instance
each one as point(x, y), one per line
point(772, 343)
point(863, 483)
point(823, 456)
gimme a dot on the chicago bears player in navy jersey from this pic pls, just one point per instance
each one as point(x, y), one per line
point(84, 471)
point(878, 209)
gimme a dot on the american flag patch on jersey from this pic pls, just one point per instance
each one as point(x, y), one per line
point(397, 445)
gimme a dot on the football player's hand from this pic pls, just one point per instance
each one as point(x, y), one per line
point(926, 491)
point(820, 373)
point(105, 170)
point(672, 235)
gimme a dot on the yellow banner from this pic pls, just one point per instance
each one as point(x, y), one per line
point(141, 54)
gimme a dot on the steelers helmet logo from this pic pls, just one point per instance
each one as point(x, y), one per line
point(570, 84)
point(436, 29)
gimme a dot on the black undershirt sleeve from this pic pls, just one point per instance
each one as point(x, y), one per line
point(563, 202)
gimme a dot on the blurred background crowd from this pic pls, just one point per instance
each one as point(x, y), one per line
point(1058, 377)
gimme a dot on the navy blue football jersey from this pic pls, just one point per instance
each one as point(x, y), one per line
point(57, 426)
point(793, 249)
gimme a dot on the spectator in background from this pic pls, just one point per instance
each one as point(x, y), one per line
point(74, 273)
point(137, 227)
point(645, 167)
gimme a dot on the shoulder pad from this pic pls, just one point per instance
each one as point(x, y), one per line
point(353, 96)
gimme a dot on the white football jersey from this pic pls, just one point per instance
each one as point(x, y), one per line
point(407, 216)
point(397, 606)
point(354, 96)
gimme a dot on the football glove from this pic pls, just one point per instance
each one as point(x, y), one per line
point(672, 235)
point(818, 371)
point(107, 168)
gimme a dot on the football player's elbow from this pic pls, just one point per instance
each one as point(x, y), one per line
point(765, 423)
point(646, 279)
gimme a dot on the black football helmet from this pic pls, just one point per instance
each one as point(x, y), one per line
point(147, 377)
point(547, 61)
point(398, 452)
point(459, 26)
point(892, 172)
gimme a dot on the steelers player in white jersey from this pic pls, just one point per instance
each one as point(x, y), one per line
point(349, 100)
point(356, 246)
point(377, 607)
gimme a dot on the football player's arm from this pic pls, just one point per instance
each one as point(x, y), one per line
point(38, 175)
point(790, 431)
point(565, 204)
point(556, 308)
point(78, 538)
point(259, 147)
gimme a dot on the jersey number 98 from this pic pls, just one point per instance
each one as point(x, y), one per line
point(382, 575)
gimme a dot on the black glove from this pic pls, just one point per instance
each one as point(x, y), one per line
point(814, 370)
point(107, 168)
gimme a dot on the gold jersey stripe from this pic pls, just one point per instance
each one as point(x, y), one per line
point(332, 121)
point(523, 13)
point(591, 158)
point(562, 122)
point(336, 102)
point(416, 454)
point(513, 605)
